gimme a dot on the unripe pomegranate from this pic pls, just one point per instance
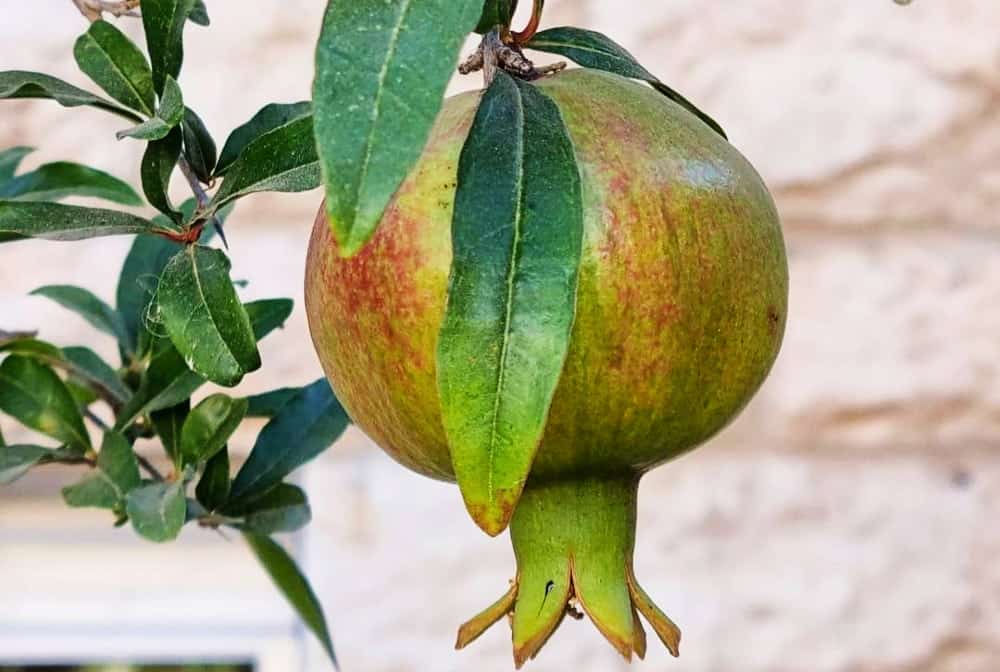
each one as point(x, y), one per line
point(681, 308)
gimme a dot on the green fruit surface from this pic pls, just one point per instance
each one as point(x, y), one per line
point(681, 304)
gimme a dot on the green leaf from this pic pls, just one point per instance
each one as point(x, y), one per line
point(267, 315)
point(31, 347)
point(95, 490)
point(169, 423)
point(381, 73)
point(140, 274)
point(62, 179)
point(115, 63)
point(268, 405)
point(163, 21)
point(283, 509)
point(158, 165)
point(118, 461)
point(21, 84)
point(83, 302)
point(209, 426)
point(117, 474)
point(166, 382)
point(204, 318)
point(287, 576)
point(137, 282)
point(282, 160)
point(306, 426)
point(32, 393)
point(512, 293)
point(199, 14)
point(10, 159)
point(199, 148)
point(55, 221)
point(168, 116)
point(496, 13)
point(594, 50)
point(269, 118)
point(16, 461)
point(158, 510)
point(90, 369)
point(213, 488)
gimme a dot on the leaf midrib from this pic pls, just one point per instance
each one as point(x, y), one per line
point(43, 404)
point(144, 107)
point(377, 111)
point(511, 272)
point(204, 301)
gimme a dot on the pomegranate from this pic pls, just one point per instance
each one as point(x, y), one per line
point(681, 307)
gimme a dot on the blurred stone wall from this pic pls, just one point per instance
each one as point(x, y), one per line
point(849, 521)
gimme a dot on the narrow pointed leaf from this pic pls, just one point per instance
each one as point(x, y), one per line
point(55, 221)
point(137, 282)
point(512, 293)
point(267, 315)
point(306, 426)
point(199, 14)
point(289, 579)
point(594, 50)
point(21, 84)
point(209, 426)
point(157, 167)
point(163, 21)
point(269, 404)
point(166, 383)
point(169, 424)
point(267, 119)
point(213, 488)
point(29, 346)
point(115, 63)
point(93, 491)
point(496, 13)
point(282, 160)
point(283, 509)
point(62, 179)
point(85, 304)
point(118, 461)
point(140, 274)
point(204, 318)
point(10, 159)
point(381, 73)
point(89, 369)
point(32, 393)
point(168, 116)
point(199, 148)
point(158, 511)
point(16, 461)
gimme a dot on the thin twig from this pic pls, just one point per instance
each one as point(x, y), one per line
point(96, 419)
point(148, 466)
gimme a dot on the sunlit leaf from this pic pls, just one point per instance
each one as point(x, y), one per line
point(32, 393)
point(511, 304)
point(269, 118)
point(204, 318)
point(115, 63)
point(381, 73)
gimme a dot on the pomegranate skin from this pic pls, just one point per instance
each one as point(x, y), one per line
point(681, 304)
